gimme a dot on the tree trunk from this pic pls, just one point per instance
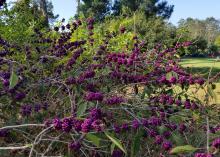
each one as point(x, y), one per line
point(78, 3)
point(43, 7)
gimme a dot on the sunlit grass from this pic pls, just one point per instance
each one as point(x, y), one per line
point(202, 67)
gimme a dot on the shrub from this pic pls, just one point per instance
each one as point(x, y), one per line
point(77, 92)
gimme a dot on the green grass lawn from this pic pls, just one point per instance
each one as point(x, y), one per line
point(202, 67)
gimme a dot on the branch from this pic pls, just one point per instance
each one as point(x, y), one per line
point(16, 148)
point(35, 141)
point(23, 125)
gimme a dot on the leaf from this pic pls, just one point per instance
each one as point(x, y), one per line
point(169, 75)
point(81, 109)
point(211, 92)
point(116, 142)
point(94, 139)
point(135, 147)
point(183, 149)
point(112, 147)
point(42, 89)
point(145, 91)
point(177, 139)
point(195, 116)
point(13, 80)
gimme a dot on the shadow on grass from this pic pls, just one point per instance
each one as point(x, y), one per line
point(204, 71)
point(195, 63)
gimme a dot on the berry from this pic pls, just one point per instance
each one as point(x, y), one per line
point(57, 124)
point(167, 145)
point(216, 143)
point(26, 110)
point(75, 146)
point(117, 153)
point(203, 155)
point(20, 96)
point(94, 96)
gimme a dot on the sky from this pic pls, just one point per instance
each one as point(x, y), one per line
point(182, 9)
point(200, 9)
point(65, 9)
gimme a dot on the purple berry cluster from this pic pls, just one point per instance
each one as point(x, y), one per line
point(75, 146)
point(90, 26)
point(20, 96)
point(117, 153)
point(170, 100)
point(203, 155)
point(94, 121)
point(4, 133)
point(167, 145)
point(216, 143)
point(94, 96)
point(86, 75)
point(73, 59)
point(114, 100)
point(27, 109)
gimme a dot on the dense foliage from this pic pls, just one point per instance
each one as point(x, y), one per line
point(102, 8)
point(81, 91)
point(149, 7)
point(19, 19)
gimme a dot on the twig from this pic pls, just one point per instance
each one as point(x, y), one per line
point(207, 134)
point(35, 141)
point(16, 148)
point(54, 140)
point(23, 125)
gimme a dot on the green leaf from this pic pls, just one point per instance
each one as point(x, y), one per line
point(195, 116)
point(42, 89)
point(81, 109)
point(211, 92)
point(112, 147)
point(135, 147)
point(183, 149)
point(177, 139)
point(169, 75)
point(116, 142)
point(13, 80)
point(94, 139)
point(144, 92)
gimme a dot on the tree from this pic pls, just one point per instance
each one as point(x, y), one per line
point(43, 7)
point(18, 21)
point(2, 2)
point(208, 29)
point(149, 7)
point(199, 47)
point(203, 33)
point(212, 28)
point(96, 8)
point(46, 10)
point(217, 41)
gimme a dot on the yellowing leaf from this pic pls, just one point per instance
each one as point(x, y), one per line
point(183, 149)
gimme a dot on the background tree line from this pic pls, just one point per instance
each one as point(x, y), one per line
point(148, 18)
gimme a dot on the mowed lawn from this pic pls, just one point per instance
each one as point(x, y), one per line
point(203, 66)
